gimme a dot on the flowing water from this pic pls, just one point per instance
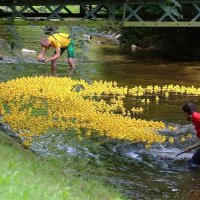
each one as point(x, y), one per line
point(137, 172)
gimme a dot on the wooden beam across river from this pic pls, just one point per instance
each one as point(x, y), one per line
point(128, 13)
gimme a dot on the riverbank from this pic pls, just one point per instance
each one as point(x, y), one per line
point(24, 175)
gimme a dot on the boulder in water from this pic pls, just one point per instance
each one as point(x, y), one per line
point(167, 154)
point(50, 29)
point(87, 37)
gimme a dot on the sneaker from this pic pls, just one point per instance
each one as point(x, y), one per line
point(193, 164)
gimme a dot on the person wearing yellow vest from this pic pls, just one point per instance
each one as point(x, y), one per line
point(61, 42)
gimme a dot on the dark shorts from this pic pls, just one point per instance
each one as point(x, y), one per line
point(70, 49)
point(195, 158)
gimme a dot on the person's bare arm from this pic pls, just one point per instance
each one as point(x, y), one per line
point(55, 56)
point(42, 54)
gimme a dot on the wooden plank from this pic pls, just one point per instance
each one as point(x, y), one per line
point(74, 2)
point(160, 24)
point(78, 2)
point(63, 15)
point(73, 22)
point(100, 18)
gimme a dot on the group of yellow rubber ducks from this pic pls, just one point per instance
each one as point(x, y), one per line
point(33, 105)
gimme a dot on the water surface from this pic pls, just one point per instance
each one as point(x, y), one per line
point(138, 173)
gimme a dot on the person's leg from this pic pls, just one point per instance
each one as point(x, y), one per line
point(71, 56)
point(71, 62)
point(53, 62)
point(53, 67)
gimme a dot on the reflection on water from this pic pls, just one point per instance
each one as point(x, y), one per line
point(138, 173)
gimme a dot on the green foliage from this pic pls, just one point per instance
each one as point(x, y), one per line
point(173, 3)
point(172, 7)
point(15, 40)
point(168, 43)
point(77, 32)
point(77, 88)
point(142, 37)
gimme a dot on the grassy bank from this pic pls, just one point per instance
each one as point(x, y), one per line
point(25, 176)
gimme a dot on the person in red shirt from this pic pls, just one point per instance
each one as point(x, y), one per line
point(191, 114)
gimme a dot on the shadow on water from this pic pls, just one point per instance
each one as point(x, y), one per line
point(138, 172)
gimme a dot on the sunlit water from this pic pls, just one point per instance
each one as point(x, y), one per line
point(137, 172)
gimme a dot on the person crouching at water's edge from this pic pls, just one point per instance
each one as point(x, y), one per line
point(192, 115)
point(61, 42)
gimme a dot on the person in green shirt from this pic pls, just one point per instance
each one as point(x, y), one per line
point(60, 42)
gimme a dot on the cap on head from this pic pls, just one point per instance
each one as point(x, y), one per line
point(45, 42)
point(189, 108)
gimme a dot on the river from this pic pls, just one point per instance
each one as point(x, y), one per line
point(136, 172)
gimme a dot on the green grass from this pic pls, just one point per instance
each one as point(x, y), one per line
point(25, 176)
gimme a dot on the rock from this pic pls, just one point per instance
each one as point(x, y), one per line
point(50, 29)
point(87, 37)
point(166, 154)
point(133, 47)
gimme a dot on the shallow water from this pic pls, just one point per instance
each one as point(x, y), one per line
point(137, 172)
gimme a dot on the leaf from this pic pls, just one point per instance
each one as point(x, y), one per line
point(176, 3)
point(77, 88)
point(170, 10)
point(176, 13)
